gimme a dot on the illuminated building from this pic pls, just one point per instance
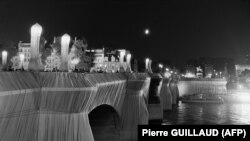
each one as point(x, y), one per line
point(240, 68)
point(199, 72)
point(190, 71)
point(24, 48)
point(109, 61)
point(208, 71)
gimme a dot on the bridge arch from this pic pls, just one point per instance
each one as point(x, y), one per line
point(105, 123)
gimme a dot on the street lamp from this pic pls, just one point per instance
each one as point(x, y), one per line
point(149, 66)
point(146, 64)
point(160, 66)
point(21, 59)
point(65, 40)
point(36, 31)
point(4, 57)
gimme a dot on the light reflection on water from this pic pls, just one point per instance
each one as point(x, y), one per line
point(209, 114)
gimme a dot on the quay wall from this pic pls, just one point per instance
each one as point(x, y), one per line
point(204, 86)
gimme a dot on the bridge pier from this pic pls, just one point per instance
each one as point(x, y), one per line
point(166, 96)
point(134, 110)
point(174, 91)
point(155, 107)
point(54, 126)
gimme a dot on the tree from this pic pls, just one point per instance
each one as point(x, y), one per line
point(52, 62)
point(45, 50)
point(45, 54)
point(56, 45)
point(16, 62)
point(73, 59)
point(85, 63)
point(80, 47)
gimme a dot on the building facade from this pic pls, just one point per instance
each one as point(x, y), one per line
point(240, 68)
point(24, 48)
point(208, 70)
point(109, 61)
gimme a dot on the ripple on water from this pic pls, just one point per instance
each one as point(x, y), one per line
point(209, 114)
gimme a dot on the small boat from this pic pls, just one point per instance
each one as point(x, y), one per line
point(202, 98)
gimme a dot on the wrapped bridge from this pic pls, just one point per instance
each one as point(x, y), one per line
point(60, 106)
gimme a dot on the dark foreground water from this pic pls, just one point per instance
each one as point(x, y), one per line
point(208, 114)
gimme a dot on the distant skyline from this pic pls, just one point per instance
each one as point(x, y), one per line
point(179, 30)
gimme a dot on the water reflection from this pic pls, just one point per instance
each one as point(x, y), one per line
point(209, 114)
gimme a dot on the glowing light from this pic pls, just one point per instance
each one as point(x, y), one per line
point(167, 69)
point(171, 72)
point(4, 57)
point(239, 86)
point(146, 31)
point(242, 111)
point(189, 75)
point(75, 61)
point(209, 75)
point(149, 66)
point(146, 63)
point(242, 97)
point(160, 66)
point(167, 74)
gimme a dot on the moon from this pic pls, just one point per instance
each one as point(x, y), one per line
point(146, 31)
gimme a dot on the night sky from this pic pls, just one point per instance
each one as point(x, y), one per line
point(179, 29)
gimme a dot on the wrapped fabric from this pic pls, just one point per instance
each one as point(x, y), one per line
point(55, 106)
point(134, 110)
point(174, 91)
point(154, 104)
point(19, 106)
point(166, 97)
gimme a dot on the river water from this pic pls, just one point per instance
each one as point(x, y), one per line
point(208, 114)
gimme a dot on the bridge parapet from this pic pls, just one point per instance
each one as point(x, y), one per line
point(16, 94)
point(55, 105)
